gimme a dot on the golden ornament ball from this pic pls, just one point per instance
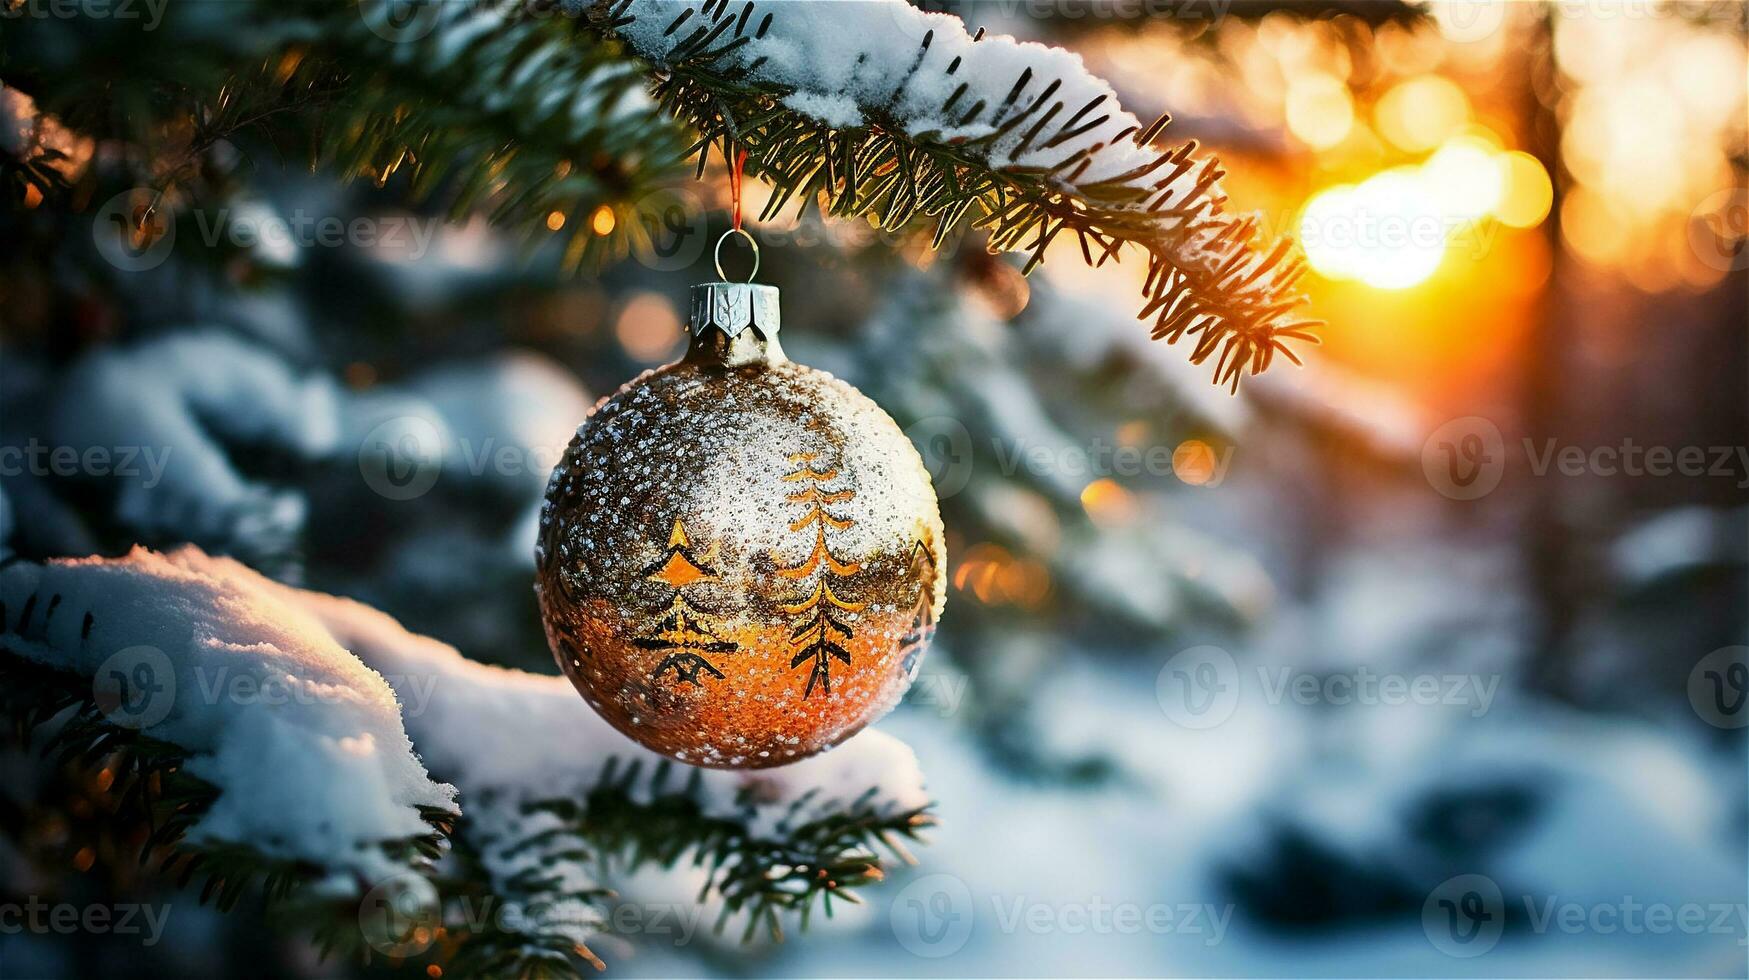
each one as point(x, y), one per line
point(740, 560)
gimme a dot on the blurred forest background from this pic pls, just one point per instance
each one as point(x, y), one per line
point(1137, 559)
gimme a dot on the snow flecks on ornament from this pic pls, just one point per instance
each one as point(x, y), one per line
point(304, 743)
point(711, 448)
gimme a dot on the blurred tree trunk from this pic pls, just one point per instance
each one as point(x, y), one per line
point(1546, 540)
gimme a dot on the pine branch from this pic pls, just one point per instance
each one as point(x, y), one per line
point(56, 714)
point(537, 920)
point(493, 109)
point(509, 112)
point(533, 838)
point(1074, 17)
point(909, 135)
point(803, 862)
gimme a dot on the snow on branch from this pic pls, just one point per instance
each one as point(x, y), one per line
point(291, 704)
point(175, 405)
point(540, 771)
point(891, 111)
point(530, 736)
point(303, 743)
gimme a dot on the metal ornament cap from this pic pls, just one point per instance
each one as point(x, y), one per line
point(734, 325)
point(733, 307)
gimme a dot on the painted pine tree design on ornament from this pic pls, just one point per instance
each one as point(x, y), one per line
point(820, 637)
point(916, 639)
point(683, 633)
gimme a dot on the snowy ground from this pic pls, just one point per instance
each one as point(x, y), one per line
point(1029, 881)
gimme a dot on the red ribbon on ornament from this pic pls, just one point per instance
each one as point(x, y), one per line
point(735, 184)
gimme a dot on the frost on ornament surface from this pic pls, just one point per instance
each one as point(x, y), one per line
point(730, 562)
point(303, 742)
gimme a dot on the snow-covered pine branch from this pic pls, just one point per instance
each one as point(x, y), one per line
point(303, 743)
point(891, 111)
point(534, 119)
point(173, 417)
point(536, 764)
point(290, 704)
point(179, 402)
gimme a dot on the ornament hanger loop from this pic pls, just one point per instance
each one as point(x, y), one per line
point(718, 255)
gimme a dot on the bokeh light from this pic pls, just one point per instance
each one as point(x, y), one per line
point(602, 221)
point(1387, 231)
point(1464, 178)
point(648, 328)
point(1319, 110)
point(1420, 113)
point(1526, 193)
point(1108, 504)
point(1194, 462)
point(997, 577)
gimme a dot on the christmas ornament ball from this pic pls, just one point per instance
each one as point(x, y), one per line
point(740, 560)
